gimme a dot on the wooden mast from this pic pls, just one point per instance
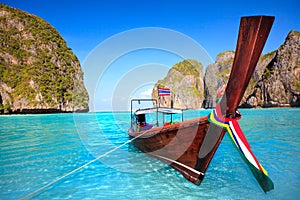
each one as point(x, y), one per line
point(252, 36)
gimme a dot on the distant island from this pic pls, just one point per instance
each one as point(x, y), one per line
point(39, 72)
point(275, 83)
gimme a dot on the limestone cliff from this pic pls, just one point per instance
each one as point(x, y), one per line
point(275, 82)
point(217, 75)
point(185, 80)
point(39, 73)
point(279, 84)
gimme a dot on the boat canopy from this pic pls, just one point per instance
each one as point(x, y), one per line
point(138, 116)
point(160, 110)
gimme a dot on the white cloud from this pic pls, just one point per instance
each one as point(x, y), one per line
point(106, 99)
point(146, 94)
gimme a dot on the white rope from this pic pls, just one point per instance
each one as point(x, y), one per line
point(79, 168)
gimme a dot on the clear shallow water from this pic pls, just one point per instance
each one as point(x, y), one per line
point(37, 149)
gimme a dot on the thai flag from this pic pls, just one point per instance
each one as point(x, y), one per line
point(164, 92)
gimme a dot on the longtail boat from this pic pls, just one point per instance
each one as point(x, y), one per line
point(190, 145)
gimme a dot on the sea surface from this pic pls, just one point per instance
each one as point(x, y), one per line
point(39, 155)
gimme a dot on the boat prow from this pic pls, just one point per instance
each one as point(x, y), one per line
point(176, 144)
point(189, 146)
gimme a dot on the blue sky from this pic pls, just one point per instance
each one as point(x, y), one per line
point(213, 24)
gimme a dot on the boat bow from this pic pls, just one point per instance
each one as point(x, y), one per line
point(190, 145)
point(252, 36)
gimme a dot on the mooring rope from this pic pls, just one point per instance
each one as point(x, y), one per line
point(81, 167)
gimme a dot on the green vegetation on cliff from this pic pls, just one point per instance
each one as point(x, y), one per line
point(37, 68)
point(189, 67)
point(185, 79)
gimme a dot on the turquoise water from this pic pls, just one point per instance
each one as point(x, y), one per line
point(37, 149)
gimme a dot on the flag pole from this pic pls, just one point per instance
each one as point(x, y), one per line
point(158, 96)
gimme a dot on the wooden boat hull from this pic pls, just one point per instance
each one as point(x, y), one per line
point(177, 145)
point(189, 146)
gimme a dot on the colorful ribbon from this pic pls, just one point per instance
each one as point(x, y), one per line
point(232, 127)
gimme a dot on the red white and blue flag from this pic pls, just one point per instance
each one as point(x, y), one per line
point(164, 92)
